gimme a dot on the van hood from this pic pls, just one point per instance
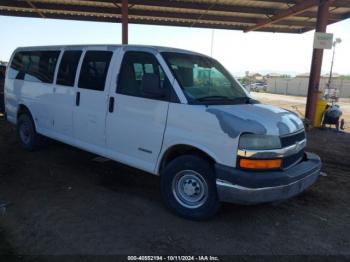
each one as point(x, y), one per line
point(256, 119)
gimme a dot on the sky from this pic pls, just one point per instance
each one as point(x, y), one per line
point(237, 51)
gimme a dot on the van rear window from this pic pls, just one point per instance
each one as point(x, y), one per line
point(34, 66)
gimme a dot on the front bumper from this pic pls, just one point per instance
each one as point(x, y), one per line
point(249, 187)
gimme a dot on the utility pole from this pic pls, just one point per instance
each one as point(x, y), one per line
point(212, 42)
point(337, 41)
point(316, 63)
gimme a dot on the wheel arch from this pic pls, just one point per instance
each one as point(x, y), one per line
point(182, 149)
point(22, 108)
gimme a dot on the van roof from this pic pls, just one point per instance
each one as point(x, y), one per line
point(112, 47)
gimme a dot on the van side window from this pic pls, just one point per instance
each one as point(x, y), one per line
point(68, 68)
point(94, 70)
point(34, 66)
point(135, 64)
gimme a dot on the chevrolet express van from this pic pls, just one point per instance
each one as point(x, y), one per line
point(169, 112)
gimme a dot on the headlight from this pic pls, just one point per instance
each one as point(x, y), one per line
point(259, 142)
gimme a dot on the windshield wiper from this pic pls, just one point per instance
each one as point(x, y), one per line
point(214, 98)
point(245, 99)
point(225, 99)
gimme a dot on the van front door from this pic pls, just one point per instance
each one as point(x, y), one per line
point(91, 101)
point(135, 122)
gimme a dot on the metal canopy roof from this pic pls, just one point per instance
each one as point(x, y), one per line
point(283, 16)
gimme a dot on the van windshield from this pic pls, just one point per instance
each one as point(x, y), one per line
point(204, 80)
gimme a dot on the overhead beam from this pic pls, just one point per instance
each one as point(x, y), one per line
point(341, 3)
point(220, 19)
point(145, 21)
point(34, 7)
point(198, 6)
point(182, 7)
point(293, 10)
point(227, 8)
point(162, 14)
point(216, 18)
point(223, 7)
point(336, 3)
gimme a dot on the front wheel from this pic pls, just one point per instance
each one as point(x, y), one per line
point(188, 187)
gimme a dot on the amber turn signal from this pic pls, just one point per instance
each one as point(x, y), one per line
point(260, 164)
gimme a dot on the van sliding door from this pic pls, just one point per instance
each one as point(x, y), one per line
point(64, 94)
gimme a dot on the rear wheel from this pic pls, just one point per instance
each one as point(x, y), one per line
point(189, 187)
point(28, 137)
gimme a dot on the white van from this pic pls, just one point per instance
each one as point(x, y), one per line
point(169, 112)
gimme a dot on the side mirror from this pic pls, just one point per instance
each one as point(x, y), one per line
point(151, 86)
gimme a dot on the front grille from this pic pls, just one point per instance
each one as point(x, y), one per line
point(289, 140)
point(293, 159)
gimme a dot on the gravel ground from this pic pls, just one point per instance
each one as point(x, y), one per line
point(63, 203)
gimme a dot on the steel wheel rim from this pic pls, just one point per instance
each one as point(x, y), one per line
point(24, 132)
point(190, 189)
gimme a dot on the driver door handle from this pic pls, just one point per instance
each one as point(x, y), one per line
point(111, 105)
point(77, 99)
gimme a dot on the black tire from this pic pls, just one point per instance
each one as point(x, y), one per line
point(27, 135)
point(179, 172)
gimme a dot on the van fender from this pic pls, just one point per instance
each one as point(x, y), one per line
point(22, 107)
point(173, 144)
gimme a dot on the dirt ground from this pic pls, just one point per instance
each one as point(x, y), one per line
point(62, 202)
